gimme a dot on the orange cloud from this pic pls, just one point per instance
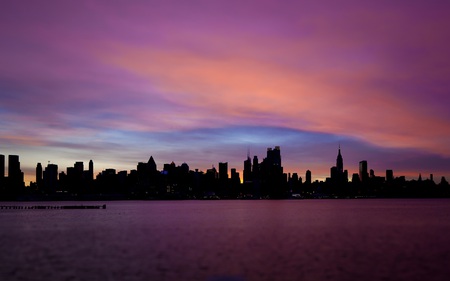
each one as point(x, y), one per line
point(223, 90)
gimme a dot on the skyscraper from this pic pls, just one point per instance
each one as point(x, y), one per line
point(79, 168)
point(152, 164)
point(51, 177)
point(340, 162)
point(39, 174)
point(337, 173)
point(2, 166)
point(363, 175)
point(223, 170)
point(255, 168)
point(274, 156)
point(308, 177)
point(91, 170)
point(2, 169)
point(248, 169)
point(13, 166)
point(389, 175)
point(15, 175)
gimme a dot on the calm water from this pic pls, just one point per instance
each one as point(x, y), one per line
point(229, 240)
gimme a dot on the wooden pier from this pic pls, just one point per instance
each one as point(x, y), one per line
point(40, 207)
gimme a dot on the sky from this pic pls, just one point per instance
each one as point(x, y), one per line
point(204, 82)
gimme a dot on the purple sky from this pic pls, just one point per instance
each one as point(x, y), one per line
point(204, 81)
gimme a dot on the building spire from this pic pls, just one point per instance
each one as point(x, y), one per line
point(340, 161)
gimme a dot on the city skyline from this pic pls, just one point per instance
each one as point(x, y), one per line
point(10, 168)
point(262, 178)
point(204, 82)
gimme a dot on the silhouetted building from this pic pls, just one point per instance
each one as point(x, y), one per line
point(235, 183)
point(212, 172)
point(15, 175)
point(79, 168)
point(152, 164)
point(235, 175)
point(248, 170)
point(340, 163)
point(223, 170)
point(274, 156)
point(2, 171)
point(389, 176)
point(39, 175)
point(109, 172)
point(50, 178)
point(338, 176)
point(184, 168)
point(273, 182)
point(363, 175)
point(308, 177)
point(334, 175)
point(355, 178)
point(2, 166)
point(91, 170)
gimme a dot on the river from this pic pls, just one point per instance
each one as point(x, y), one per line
point(228, 240)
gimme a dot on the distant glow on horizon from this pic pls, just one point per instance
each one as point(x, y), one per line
point(202, 81)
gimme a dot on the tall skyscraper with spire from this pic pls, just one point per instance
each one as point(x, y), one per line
point(248, 169)
point(338, 174)
point(340, 162)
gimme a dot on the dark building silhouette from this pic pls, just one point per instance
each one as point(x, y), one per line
point(356, 178)
point(2, 166)
point(91, 170)
point(308, 177)
point(340, 162)
point(39, 175)
point(152, 165)
point(15, 175)
point(255, 168)
point(389, 176)
point(235, 176)
point(274, 156)
point(2, 171)
point(78, 169)
point(223, 170)
point(50, 178)
point(273, 182)
point(248, 170)
point(363, 175)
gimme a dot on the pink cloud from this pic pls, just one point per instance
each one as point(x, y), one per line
point(298, 99)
